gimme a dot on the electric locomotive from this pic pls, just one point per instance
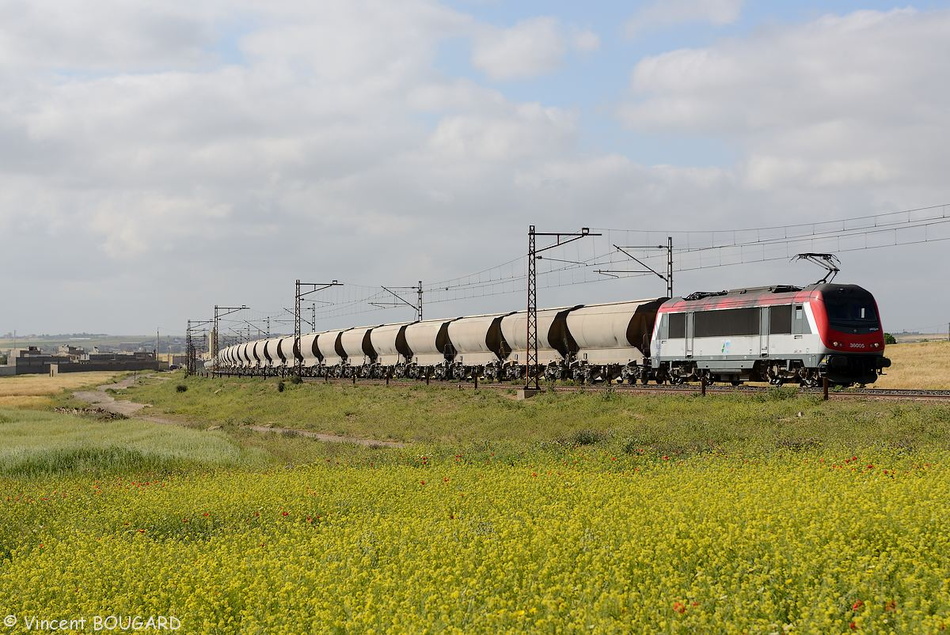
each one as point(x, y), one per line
point(776, 334)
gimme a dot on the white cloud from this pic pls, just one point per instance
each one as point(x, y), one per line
point(133, 224)
point(455, 95)
point(264, 142)
point(105, 35)
point(530, 131)
point(842, 100)
point(370, 41)
point(620, 193)
point(665, 13)
point(586, 40)
point(532, 47)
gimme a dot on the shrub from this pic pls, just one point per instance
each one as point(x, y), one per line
point(181, 388)
point(588, 437)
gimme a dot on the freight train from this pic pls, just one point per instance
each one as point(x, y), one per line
point(778, 334)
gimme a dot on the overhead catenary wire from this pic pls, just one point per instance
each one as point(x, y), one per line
point(693, 250)
point(701, 250)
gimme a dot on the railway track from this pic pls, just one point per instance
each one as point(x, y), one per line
point(884, 394)
point(847, 393)
point(892, 394)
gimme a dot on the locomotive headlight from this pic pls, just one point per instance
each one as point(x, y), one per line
point(876, 345)
point(836, 344)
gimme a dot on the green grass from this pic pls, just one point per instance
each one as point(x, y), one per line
point(444, 416)
point(46, 443)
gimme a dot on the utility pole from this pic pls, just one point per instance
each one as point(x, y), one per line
point(190, 349)
point(531, 372)
point(669, 266)
point(315, 287)
point(227, 310)
point(531, 341)
point(419, 300)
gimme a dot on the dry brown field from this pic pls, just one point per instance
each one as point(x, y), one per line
point(34, 391)
point(924, 365)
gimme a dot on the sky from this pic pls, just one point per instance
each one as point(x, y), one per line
point(158, 159)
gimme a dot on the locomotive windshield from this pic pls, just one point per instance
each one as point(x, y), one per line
point(852, 313)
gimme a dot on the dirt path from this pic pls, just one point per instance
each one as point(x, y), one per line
point(99, 398)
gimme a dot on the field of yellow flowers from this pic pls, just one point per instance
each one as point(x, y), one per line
point(581, 541)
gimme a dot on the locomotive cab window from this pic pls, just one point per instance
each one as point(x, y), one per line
point(853, 313)
point(799, 321)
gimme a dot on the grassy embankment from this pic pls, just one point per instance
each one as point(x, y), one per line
point(443, 420)
point(445, 416)
point(34, 441)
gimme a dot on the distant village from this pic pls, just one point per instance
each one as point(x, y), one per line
point(48, 355)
